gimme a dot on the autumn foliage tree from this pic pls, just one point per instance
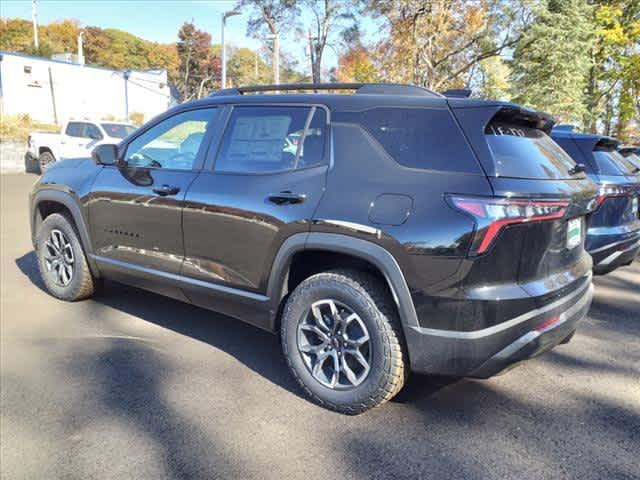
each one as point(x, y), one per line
point(355, 65)
point(200, 69)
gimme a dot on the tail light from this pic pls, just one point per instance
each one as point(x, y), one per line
point(609, 191)
point(492, 214)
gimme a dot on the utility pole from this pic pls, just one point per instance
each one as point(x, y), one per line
point(224, 49)
point(275, 56)
point(34, 20)
point(80, 49)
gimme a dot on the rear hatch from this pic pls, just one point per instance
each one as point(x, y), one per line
point(546, 199)
point(619, 182)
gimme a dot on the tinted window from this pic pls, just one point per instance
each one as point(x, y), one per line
point(569, 146)
point(267, 139)
point(524, 152)
point(419, 138)
point(635, 159)
point(173, 143)
point(93, 132)
point(610, 163)
point(74, 129)
point(117, 130)
point(313, 146)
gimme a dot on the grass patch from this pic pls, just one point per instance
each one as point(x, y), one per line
point(18, 127)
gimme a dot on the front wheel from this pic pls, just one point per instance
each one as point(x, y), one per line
point(343, 341)
point(61, 259)
point(45, 160)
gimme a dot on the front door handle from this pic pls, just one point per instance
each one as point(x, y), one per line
point(165, 190)
point(287, 197)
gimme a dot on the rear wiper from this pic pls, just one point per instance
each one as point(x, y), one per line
point(579, 168)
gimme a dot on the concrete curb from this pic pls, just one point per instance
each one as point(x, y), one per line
point(12, 156)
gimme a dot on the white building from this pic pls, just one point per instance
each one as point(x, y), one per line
point(53, 91)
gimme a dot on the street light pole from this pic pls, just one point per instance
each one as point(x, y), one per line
point(34, 20)
point(80, 49)
point(224, 49)
point(275, 59)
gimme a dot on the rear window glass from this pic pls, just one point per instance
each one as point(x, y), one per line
point(524, 152)
point(419, 138)
point(117, 130)
point(611, 163)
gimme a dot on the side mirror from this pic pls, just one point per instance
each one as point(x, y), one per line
point(105, 154)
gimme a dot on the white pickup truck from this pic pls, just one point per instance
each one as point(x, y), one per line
point(77, 138)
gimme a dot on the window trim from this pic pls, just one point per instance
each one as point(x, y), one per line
point(326, 157)
point(199, 161)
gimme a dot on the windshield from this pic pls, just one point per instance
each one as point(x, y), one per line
point(118, 130)
point(524, 152)
point(611, 162)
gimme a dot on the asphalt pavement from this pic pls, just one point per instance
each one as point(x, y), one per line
point(133, 385)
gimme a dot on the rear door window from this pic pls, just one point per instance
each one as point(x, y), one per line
point(525, 152)
point(75, 129)
point(272, 139)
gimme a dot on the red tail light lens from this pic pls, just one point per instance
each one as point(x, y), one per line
point(606, 192)
point(492, 214)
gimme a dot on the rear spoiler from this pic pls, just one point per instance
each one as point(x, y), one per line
point(525, 117)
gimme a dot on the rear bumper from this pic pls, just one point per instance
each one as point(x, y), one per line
point(484, 353)
point(611, 250)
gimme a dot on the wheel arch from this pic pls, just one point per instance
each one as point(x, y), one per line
point(363, 251)
point(47, 202)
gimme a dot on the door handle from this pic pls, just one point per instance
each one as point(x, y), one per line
point(287, 197)
point(165, 190)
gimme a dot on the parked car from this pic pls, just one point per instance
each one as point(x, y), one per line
point(632, 154)
point(413, 232)
point(613, 235)
point(77, 138)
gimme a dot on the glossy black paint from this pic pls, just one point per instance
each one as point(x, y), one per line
point(613, 235)
point(228, 241)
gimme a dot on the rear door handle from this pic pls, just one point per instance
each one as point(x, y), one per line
point(284, 198)
point(165, 190)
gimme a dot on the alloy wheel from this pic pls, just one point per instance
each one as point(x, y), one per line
point(335, 345)
point(59, 259)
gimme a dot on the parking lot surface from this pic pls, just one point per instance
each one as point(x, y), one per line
point(134, 385)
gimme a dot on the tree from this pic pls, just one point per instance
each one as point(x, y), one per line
point(437, 44)
point(326, 16)
point(199, 68)
point(614, 74)
point(550, 64)
point(356, 66)
point(271, 17)
point(492, 79)
point(245, 67)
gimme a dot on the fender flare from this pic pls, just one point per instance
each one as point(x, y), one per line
point(363, 249)
point(68, 200)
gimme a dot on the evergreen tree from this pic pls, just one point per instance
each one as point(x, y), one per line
point(550, 63)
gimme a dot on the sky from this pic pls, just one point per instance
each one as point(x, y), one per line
point(156, 20)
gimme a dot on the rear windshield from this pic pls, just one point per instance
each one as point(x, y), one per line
point(611, 162)
point(117, 130)
point(524, 152)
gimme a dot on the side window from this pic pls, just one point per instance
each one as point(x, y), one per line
point(74, 129)
point(271, 139)
point(93, 132)
point(419, 137)
point(173, 143)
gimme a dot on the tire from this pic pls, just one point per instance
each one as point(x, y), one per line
point(79, 283)
point(351, 292)
point(45, 160)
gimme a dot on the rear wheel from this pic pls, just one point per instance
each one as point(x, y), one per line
point(343, 342)
point(45, 160)
point(61, 259)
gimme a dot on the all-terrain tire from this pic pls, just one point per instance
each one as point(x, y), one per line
point(365, 295)
point(82, 283)
point(45, 160)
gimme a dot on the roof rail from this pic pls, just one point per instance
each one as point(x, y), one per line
point(457, 93)
point(359, 88)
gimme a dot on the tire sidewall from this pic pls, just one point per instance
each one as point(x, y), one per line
point(45, 164)
point(298, 306)
point(59, 222)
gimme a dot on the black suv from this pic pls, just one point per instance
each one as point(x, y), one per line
point(379, 232)
point(613, 233)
